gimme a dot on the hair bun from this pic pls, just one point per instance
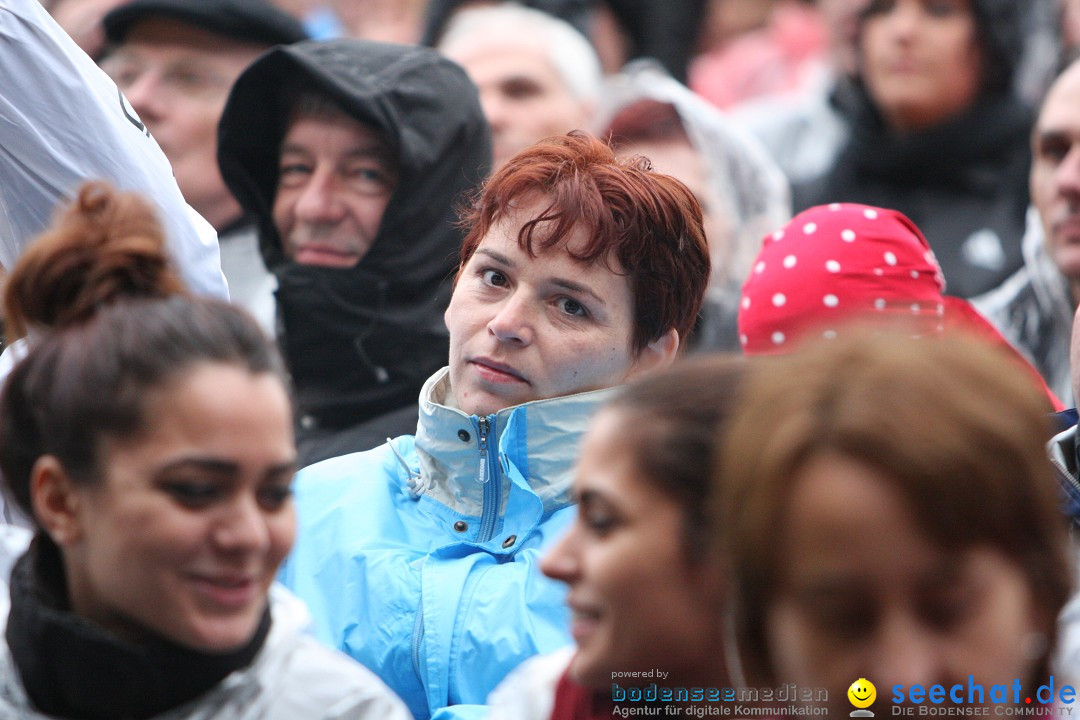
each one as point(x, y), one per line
point(106, 246)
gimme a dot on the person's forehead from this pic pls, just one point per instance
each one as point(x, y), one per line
point(502, 239)
point(499, 58)
point(345, 130)
point(1061, 108)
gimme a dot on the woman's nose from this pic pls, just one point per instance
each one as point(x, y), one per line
point(561, 562)
point(242, 527)
point(907, 652)
point(513, 321)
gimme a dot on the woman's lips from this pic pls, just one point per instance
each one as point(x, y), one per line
point(493, 371)
point(583, 623)
point(227, 591)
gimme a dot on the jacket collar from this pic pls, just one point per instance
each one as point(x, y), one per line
point(1062, 451)
point(539, 439)
point(1047, 281)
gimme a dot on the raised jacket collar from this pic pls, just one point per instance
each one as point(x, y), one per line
point(539, 439)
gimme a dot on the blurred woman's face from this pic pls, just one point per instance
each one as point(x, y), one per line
point(864, 593)
point(636, 600)
point(182, 537)
point(921, 60)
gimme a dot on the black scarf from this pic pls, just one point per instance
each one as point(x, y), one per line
point(72, 668)
point(355, 347)
point(967, 150)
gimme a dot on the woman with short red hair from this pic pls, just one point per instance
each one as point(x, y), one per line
point(420, 558)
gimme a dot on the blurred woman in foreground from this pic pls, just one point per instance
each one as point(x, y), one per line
point(646, 591)
point(889, 514)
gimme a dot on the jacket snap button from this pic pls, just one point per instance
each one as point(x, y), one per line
point(509, 541)
point(463, 435)
point(461, 526)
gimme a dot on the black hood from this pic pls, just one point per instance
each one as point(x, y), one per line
point(1001, 28)
point(423, 103)
point(361, 341)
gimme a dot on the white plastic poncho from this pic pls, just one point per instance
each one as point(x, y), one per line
point(64, 122)
point(746, 188)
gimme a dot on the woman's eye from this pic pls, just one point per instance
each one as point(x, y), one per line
point(571, 306)
point(275, 498)
point(841, 621)
point(599, 523)
point(879, 7)
point(192, 494)
point(495, 278)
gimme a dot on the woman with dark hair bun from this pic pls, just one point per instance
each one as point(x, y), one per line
point(148, 434)
point(103, 246)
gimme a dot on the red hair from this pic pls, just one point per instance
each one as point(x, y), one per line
point(646, 121)
point(648, 223)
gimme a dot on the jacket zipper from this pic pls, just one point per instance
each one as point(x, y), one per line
point(1063, 470)
point(487, 528)
point(418, 634)
point(490, 481)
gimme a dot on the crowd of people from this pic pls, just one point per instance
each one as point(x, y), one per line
point(547, 359)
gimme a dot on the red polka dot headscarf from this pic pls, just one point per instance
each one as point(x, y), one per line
point(832, 263)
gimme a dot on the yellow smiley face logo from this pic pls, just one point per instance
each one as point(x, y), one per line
point(862, 693)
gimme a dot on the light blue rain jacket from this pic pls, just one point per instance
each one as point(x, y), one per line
point(419, 558)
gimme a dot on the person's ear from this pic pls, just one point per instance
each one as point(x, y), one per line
point(55, 499)
point(657, 355)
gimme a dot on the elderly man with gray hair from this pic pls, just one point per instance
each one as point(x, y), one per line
point(537, 75)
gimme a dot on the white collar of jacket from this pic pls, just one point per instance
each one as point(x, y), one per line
point(540, 438)
point(1050, 285)
point(1061, 449)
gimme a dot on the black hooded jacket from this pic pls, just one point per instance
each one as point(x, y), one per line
point(360, 342)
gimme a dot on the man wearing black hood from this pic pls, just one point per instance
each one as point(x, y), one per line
point(351, 156)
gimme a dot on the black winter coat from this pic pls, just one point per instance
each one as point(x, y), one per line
point(964, 184)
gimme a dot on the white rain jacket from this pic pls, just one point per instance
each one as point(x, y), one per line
point(1033, 309)
point(64, 122)
point(293, 677)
